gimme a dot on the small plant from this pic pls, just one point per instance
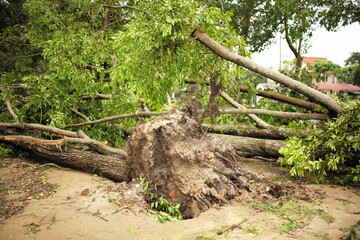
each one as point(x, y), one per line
point(131, 230)
point(12, 192)
point(204, 237)
point(288, 227)
point(114, 197)
point(39, 196)
point(144, 184)
point(327, 217)
point(352, 231)
point(251, 229)
point(323, 236)
point(167, 211)
point(41, 180)
point(34, 227)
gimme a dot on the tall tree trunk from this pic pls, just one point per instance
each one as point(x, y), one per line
point(225, 53)
point(296, 50)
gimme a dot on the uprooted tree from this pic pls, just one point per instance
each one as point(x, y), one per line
point(77, 76)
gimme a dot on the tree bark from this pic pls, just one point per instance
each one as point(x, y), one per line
point(282, 98)
point(226, 54)
point(259, 122)
point(110, 166)
point(249, 146)
point(251, 131)
point(293, 115)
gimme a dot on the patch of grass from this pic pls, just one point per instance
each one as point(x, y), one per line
point(327, 217)
point(289, 210)
point(288, 227)
point(251, 228)
point(323, 236)
point(293, 211)
point(204, 237)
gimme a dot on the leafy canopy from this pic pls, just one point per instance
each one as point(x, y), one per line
point(70, 49)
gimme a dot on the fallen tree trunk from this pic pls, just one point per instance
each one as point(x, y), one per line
point(321, 98)
point(110, 166)
point(249, 147)
point(254, 132)
point(104, 160)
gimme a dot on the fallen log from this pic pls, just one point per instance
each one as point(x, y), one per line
point(254, 132)
point(110, 166)
point(102, 160)
point(249, 147)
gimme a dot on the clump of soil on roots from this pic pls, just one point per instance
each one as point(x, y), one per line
point(181, 163)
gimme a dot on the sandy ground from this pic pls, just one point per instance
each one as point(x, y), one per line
point(84, 207)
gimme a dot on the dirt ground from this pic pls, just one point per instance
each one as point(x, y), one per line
point(66, 204)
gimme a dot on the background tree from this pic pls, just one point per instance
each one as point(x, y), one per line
point(351, 72)
point(260, 21)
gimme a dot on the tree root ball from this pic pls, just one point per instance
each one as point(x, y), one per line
point(181, 163)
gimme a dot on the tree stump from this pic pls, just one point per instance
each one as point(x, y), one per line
point(181, 163)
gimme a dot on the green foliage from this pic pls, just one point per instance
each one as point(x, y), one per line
point(6, 151)
point(68, 50)
point(167, 211)
point(331, 149)
point(259, 20)
point(162, 52)
point(351, 72)
point(320, 68)
point(352, 231)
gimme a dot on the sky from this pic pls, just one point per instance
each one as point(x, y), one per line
point(335, 46)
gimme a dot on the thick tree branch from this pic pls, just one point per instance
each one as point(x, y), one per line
point(101, 147)
point(280, 133)
point(294, 115)
point(112, 118)
point(282, 98)
point(32, 126)
point(83, 116)
point(10, 109)
point(226, 54)
point(255, 118)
